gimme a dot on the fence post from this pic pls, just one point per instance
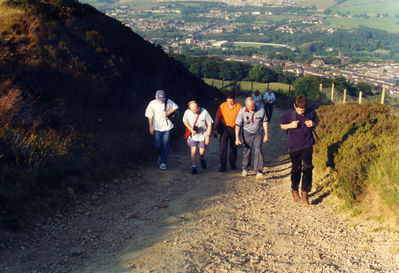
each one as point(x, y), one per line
point(320, 91)
point(268, 86)
point(289, 91)
point(252, 87)
point(344, 99)
point(383, 96)
point(332, 92)
point(360, 97)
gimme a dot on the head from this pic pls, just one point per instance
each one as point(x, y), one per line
point(193, 106)
point(269, 90)
point(257, 93)
point(230, 98)
point(160, 96)
point(300, 104)
point(250, 103)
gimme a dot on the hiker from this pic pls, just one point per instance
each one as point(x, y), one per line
point(225, 120)
point(199, 124)
point(268, 100)
point(160, 126)
point(257, 98)
point(300, 123)
point(252, 120)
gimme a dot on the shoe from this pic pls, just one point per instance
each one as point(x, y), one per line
point(259, 176)
point(222, 169)
point(244, 173)
point(305, 199)
point(159, 160)
point(233, 167)
point(203, 163)
point(193, 171)
point(162, 166)
point(295, 196)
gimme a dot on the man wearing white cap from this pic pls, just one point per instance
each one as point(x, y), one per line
point(160, 126)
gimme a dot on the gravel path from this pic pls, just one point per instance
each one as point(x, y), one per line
point(170, 221)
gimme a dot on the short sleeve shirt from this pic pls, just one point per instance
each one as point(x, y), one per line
point(252, 122)
point(204, 120)
point(302, 137)
point(257, 99)
point(228, 115)
point(269, 98)
point(155, 111)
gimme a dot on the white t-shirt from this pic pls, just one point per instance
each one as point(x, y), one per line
point(257, 99)
point(155, 111)
point(203, 121)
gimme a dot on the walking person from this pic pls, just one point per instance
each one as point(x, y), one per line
point(268, 100)
point(198, 121)
point(160, 126)
point(225, 120)
point(252, 120)
point(257, 98)
point(300, 123)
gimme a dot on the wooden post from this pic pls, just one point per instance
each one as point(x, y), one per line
point(289, 90)
point(344, 99)
point(252, 87)
point(360, 97)
point(383, 96)
point(268, 84)
point(332, 92)
point(320, 91)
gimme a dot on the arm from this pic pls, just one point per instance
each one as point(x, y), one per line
point(208, 134)
point(291, 125)
point(265, 128)
point(150, 126)
point(237, 131)
point(215, 126)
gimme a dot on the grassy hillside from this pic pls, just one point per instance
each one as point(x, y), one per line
point(74, 84)
point(358, 151)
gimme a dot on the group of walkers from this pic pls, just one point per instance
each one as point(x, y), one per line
point(232, 121)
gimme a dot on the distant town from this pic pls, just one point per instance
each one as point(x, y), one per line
point(168, 19)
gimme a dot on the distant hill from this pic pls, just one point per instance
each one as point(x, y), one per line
point(74, 84)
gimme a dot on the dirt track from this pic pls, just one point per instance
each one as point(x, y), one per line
point(171, 221)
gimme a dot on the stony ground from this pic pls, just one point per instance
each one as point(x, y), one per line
point(170, 221)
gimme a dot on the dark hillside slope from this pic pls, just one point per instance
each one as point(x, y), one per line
point(74, 84)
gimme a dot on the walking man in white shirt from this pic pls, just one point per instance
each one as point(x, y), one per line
point(159, 124)
point(199, 122)
point(268, 99)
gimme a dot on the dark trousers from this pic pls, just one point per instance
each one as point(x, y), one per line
point(302, 164)
point(228, 139)
point(255, 141)
point(269, 110)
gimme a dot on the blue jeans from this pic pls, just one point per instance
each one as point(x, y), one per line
point(162, 144)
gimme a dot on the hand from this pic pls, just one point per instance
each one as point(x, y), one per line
point(152, 131)
point(207, 140)
point(165, 114)
point(294, 124)
point(309, 123)
point(215, 133)
point(266, 138)
point(238, 142)
point(193, 131)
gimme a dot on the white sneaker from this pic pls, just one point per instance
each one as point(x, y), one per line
point(259, 176)
point(244, 173)
point(162, 166)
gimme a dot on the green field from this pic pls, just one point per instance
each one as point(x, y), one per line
point(389, 23)
point(320, 4)
point(371, 7)
point(247, 85)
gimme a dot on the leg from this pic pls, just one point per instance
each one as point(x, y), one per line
point(194, 156)
point(232, 148)
point(223, 149)
point(201, 152)
point(270, 111)
point(296, 159)
point(246, 159)
point(307, 170)
point(258, 157)
point(165, 137)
